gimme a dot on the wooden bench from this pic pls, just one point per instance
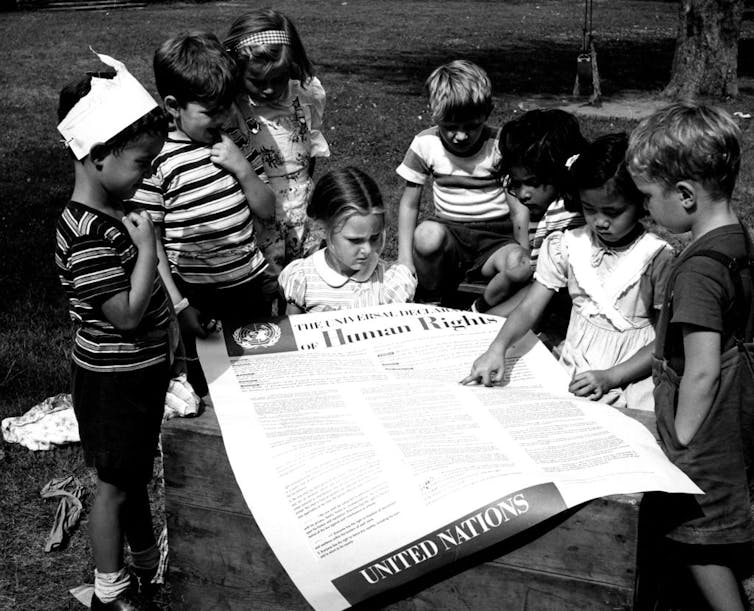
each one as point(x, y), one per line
point(584, 559)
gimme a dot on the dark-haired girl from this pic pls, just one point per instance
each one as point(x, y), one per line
point(615, 271)
point(348, 272)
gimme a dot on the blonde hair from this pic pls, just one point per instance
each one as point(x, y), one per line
point(340, 194)
point(459, 89)
point(687, 141)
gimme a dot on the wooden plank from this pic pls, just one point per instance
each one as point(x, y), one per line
point(598, 542)
point(197, 471)
point(582, 559)
point(238, 571)
point(471, 288)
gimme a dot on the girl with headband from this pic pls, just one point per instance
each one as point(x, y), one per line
point(280, 108)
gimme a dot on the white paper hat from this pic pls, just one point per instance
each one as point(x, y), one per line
point(111, 106)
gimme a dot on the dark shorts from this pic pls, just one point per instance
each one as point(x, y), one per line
point(474, 243)
point(241, 303)
point(236, 305)
point(119, 417)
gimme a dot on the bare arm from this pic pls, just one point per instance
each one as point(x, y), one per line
point(520, 220)
point(408, 212)
point(260, 197)
point(489, 368)
point(593, 384)
point(189, 317)
point(125, 310)
point(700, 381)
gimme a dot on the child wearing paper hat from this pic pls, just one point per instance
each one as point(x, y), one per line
point(126, 329)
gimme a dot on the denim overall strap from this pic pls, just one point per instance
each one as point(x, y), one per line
point(718, 458)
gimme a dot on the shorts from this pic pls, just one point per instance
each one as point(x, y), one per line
point(240, 304)
point(474, 243)
point(119, 416)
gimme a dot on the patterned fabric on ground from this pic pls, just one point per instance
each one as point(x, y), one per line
point(181, 400)
point(50, 422)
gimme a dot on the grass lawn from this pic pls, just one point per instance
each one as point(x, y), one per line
point(372, 57)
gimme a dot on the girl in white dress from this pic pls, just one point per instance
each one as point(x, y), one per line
point(280, 110)
point(348, 272)
point(615, 271)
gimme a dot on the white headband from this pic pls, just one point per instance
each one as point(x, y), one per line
point(265, 37)
point(111, 106)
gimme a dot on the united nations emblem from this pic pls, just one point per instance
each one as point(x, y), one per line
point(257, 335)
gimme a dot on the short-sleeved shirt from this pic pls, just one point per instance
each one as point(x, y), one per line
point(702, 295)
point(464, 188)
point(555, 218)
point(312, 285)
point(95, 257)
point(207, 225)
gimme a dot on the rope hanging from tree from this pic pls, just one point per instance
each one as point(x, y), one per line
point(587, 74)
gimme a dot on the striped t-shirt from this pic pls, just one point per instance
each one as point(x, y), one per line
point(95, 257)
point(555, 218)
point(207, 225)
point(463, 188)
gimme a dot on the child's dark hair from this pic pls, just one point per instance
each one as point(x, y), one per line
point(542, 141)
point(277, 58)
point(195, 67)
point(342, 193)
point(603, 162)
point(155, 122)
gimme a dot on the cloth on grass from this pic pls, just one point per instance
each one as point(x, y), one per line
point(53, 422)
point(181, 400)
point(50, 422)
point(70, 491)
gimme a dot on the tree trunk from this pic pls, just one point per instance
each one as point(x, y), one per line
point(706, 50)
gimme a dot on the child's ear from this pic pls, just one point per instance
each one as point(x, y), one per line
point(687, 191)
point(97, 155)
point(172, 106)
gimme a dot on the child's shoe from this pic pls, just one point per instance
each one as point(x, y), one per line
point(128, 601)
point(142, 578)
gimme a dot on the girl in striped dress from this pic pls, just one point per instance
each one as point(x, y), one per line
point(348, 272)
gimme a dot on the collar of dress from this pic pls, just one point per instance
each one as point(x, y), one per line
point(333, 277)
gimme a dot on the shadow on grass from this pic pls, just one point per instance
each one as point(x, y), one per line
point(532, 68)
point(524, 69)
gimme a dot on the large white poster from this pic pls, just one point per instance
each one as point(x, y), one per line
point(366, 464)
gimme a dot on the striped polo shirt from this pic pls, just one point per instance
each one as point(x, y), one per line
point(463, 188)
point(207, 225)
point(95, 257)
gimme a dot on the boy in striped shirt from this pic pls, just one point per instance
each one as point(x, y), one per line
point(204, 195)
point(473, 234)
point(125, 327)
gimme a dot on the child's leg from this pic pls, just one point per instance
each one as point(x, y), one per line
point(111, 580)
point(433, 257)
point(719, 586)
point(138, 528)
point(507, 306)
point(508, 268)
point(137, 519)
point(105, 527)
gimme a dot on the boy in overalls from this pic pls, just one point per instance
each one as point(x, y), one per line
point(685, 159)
